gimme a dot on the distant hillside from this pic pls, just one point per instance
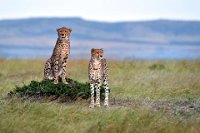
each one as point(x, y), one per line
point(35, 38)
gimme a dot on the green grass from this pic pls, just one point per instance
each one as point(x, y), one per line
point(146, 96)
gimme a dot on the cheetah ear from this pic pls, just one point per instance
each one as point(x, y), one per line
point(101, 49)
point(92, 50)
point(58, 30)
point(70, 29)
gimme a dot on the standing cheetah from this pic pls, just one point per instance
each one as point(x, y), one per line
point(55, 67)
point(98, 71)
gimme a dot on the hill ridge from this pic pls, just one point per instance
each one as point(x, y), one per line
point(156, 35)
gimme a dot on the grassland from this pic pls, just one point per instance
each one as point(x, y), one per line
point(146, 96)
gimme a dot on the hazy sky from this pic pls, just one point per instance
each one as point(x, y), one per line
point(102, 10)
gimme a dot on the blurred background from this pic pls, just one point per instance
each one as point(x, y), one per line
point(127, 30)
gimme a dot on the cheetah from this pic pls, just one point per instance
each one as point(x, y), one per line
point(55, 67)
point(97, 72)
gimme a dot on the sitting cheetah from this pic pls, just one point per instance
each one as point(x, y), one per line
point(98, 71)
point(55, 67)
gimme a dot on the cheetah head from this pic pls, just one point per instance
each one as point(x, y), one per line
point(64, 33)
point(97, 53)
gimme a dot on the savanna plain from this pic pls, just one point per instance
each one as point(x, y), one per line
point(146, 97)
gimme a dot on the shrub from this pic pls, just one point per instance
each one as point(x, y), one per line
point(157, 67)
point(73, 90)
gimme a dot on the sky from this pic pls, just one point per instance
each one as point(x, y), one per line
point(102, 10)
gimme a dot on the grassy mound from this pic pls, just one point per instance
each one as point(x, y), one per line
point(73, 90)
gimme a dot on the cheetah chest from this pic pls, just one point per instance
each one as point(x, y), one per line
point(64, 50)
point(96, 71)
point(63, 56)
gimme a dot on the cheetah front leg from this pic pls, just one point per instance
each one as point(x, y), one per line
point(107, 91)
point(92, 94)
point(64, 70)
point(98, 85)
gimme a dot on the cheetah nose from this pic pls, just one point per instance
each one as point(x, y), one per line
point(62, 34)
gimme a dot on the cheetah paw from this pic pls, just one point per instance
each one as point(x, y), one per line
point(64, 81)
point(98, 105)
point(55, 82)
point(106, 105)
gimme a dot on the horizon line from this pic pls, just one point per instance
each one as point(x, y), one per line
point(86, 19)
